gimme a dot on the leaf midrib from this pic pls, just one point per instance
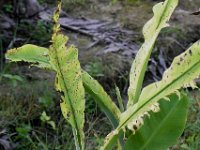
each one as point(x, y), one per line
point(33, 58)
point(164, 11)
point(70, 103)
point(171, 83)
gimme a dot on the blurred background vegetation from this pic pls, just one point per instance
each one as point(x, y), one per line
point(30, 116)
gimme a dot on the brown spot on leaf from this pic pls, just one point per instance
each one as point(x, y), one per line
point(61, 93)
point(68, 115)
point(185, 54)
point(135, 127)
point(190, 52)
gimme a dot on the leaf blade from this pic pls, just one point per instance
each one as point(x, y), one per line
point(69, 83)
point(162, 13)
point(30, 53)
point(154, 134)
point(102, 98)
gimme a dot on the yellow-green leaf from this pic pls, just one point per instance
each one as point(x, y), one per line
point(162, 13)
point(33, 54)
point(69, 83)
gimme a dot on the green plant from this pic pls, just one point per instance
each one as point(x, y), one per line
point(46, 100)
point(1, 55)
point(42, 1)
point(23, 134)
point(162, 100)
point(23, 131)
point(47, 119)
point(8, 8)
point(42, 31)
point(36, 31)
point(95, 69)
point(13, 78)
point(72, 4)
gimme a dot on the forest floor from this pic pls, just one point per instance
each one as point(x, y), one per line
point(28, 98)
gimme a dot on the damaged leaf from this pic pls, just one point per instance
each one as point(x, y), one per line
point(162, 13)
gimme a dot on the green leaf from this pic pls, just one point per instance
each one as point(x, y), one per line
point(44, 117)
point(12, 77)
point(161, 130)
point(102, 98)
point(184, 69)
point(162, 13)
point(69, 83)
point(119, 98)
point(52, 124)
point(36, 55)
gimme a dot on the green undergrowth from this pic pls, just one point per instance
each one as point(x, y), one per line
point(35, 32)
point(69, 5)
point(33, 97)
point(190, 139)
